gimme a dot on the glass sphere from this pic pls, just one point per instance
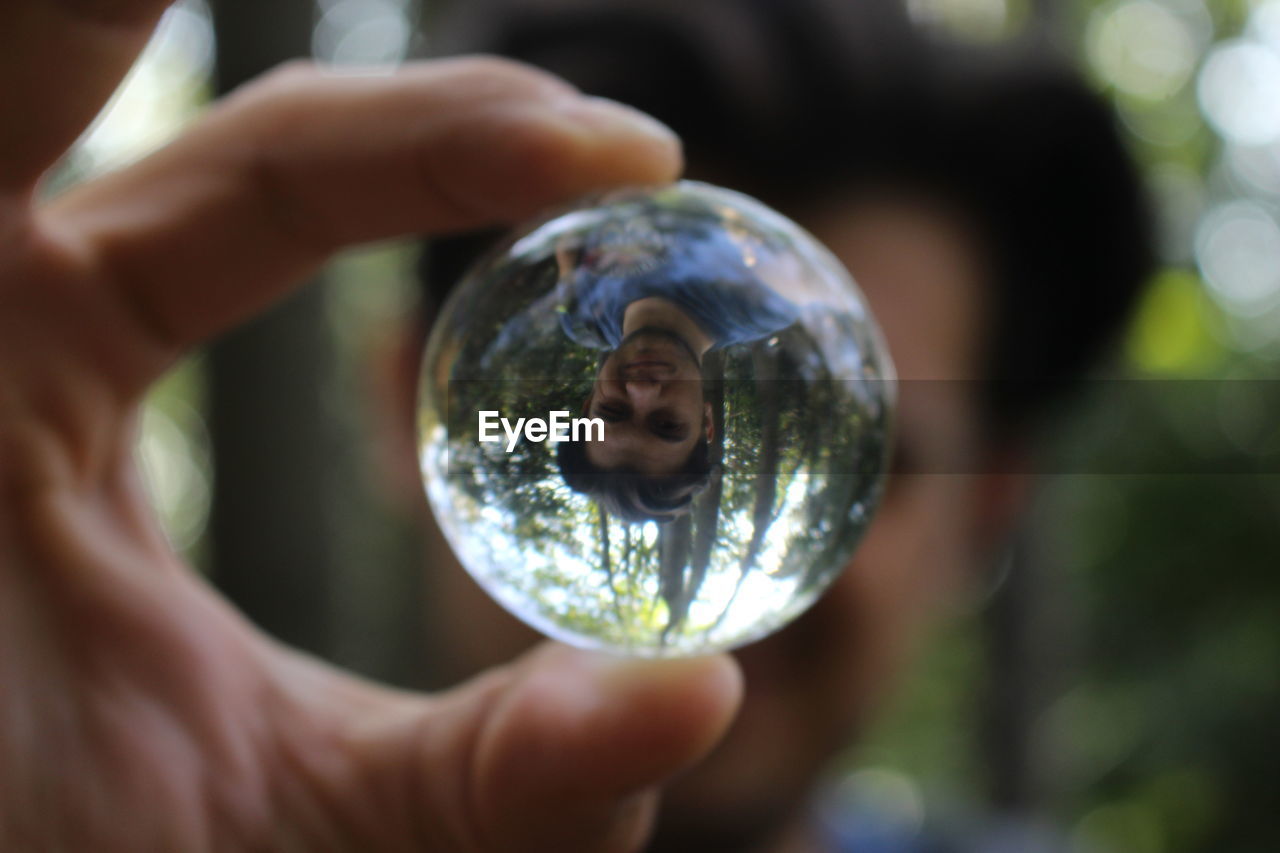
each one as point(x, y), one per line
point(656, 422)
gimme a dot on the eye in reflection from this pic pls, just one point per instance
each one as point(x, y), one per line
point(735, 396)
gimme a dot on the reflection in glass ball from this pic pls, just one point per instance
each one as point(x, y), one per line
point(656, 422)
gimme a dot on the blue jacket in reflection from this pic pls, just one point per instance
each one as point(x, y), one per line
point(705, 273)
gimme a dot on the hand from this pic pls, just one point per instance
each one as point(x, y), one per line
point(138, 712)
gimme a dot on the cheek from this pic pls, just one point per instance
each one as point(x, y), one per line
point(913, 561)
point(915, 552)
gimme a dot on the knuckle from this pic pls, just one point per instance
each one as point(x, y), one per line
point(291, 72)
point(287, 80)
point(507, 76)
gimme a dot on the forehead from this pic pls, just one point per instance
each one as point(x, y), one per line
point(920, 267)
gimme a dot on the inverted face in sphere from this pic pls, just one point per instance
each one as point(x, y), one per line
point(656, 422)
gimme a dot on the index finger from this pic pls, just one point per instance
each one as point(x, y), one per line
point(219, 224)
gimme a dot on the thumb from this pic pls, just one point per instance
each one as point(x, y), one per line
point(564, 750)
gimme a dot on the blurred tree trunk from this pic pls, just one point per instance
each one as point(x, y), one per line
point(272, 538)
point(1027, 644)
point(1022, 627)
point(1009, 694)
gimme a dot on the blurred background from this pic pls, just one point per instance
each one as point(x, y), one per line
point(1123, 686)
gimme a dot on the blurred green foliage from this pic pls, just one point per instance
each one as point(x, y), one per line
point(1156, 732)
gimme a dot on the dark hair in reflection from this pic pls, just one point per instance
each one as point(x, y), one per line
point(630, 495)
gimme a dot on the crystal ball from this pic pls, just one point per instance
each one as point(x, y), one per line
point(655, 422)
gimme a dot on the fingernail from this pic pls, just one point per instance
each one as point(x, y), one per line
point(603, 116)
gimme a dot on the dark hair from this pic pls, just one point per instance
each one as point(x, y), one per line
point(794, 101)
point(630, 495)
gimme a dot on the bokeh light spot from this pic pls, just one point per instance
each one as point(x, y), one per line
point(362, 33)
point(1239, 90)
point(1238, 249)
point(1170, 335)
point(1141, 48)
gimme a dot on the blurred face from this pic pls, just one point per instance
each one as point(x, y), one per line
point(812, 686)
point(649, 395)
point(815, 684)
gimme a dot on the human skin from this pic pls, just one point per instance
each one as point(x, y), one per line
point(649, 393)
point(813, 686)
point(138, 711)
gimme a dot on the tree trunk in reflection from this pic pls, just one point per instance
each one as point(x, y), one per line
point(707, 510)
point(673, 548)
point(607, 564)
point(766, 472)
point(688, 541)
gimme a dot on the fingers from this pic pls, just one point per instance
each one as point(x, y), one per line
point(60, 60)
point(566, 754)
point(572, 745)
point(219, 224)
